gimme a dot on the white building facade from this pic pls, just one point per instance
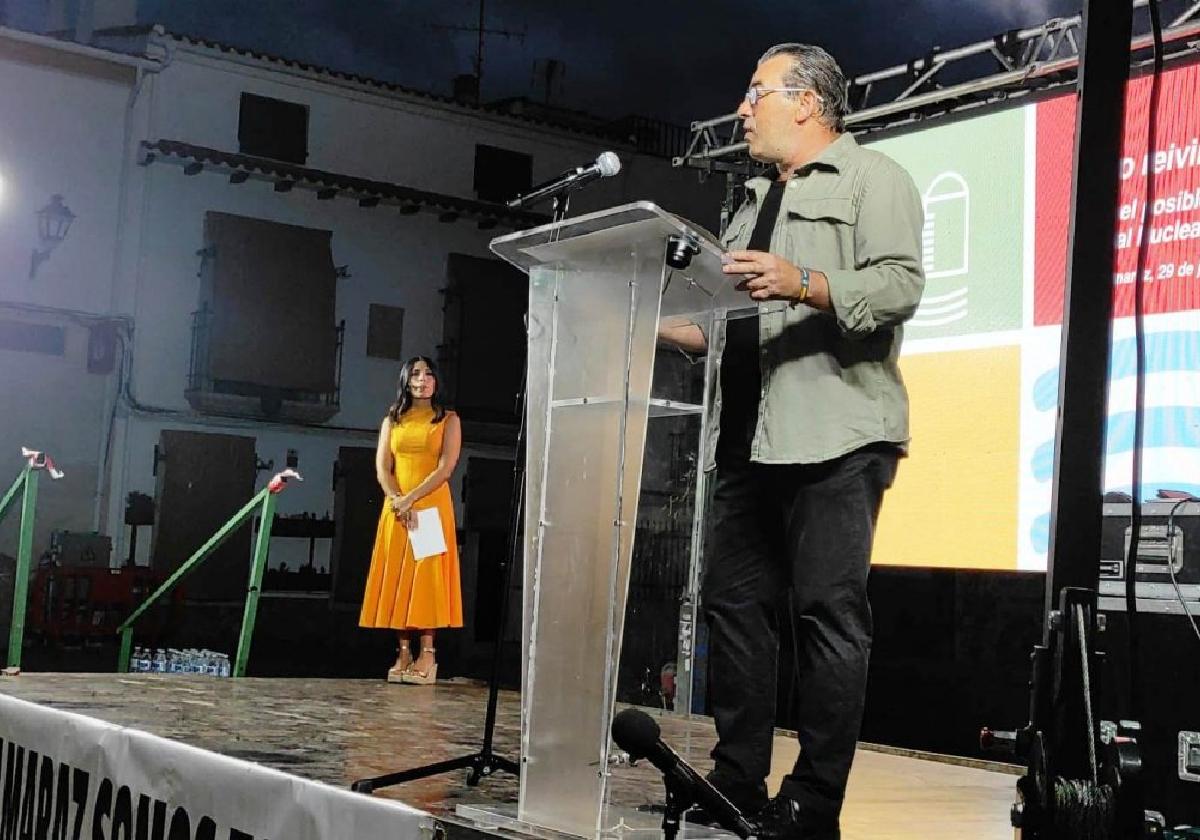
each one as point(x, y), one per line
point(97, 346)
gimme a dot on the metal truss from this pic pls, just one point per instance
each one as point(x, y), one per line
point(1007, 65)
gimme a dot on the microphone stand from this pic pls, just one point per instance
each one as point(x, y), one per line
point(485, 762)
point(637, 733)
point(558, 209)
point(679, 799)
point(677, 802)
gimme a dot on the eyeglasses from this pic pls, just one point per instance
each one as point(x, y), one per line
point(757, 92)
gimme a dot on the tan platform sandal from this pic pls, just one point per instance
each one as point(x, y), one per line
point(403, 665)
point(414, 677)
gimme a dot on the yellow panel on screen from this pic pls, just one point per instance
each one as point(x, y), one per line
point(954, 503)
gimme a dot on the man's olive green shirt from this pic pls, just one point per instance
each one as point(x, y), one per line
point(830, 380)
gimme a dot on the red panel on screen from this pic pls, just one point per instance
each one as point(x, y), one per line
point(1173, 264)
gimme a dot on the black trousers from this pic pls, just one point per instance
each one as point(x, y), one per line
point(795, 538)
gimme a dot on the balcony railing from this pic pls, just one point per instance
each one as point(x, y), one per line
point(222, 395)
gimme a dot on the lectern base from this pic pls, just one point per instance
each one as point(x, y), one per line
point(619, 823)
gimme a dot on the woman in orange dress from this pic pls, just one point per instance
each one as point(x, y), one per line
point(419, 445)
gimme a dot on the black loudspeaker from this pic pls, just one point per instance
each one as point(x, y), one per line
point(1167, 679)
point(1162, 690)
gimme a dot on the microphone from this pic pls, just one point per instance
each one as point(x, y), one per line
point(636, 732)
point(607, 165)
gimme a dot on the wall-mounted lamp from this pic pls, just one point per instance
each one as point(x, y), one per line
point(208, 252)
point(54, 221)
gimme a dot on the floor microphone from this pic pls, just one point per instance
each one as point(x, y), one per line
point(636, 732)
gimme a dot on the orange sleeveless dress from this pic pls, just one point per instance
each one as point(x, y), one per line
point(404, 593)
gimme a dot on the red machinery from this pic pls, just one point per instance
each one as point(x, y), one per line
point(77, 603)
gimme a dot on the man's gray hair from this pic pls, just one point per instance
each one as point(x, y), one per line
point(816, 69)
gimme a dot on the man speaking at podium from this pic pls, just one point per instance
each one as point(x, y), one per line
point(813, 416)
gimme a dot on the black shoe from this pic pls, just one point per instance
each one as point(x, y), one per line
point(748, 805)
point(782, 820)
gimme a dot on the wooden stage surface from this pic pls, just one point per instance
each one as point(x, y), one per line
point(336, 731)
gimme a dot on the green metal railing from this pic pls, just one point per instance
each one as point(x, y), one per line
point(26, 484)
point(263, 502)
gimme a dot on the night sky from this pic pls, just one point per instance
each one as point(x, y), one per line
point(671, 59)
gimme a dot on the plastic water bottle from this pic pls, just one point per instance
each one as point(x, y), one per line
point(223, 668)
point(160, 661)
point(135, 660)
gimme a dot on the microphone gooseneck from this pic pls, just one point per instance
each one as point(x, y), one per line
point(605, 166)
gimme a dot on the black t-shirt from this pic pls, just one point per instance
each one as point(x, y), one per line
point(741, 376)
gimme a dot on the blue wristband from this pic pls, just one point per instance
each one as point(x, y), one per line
point(805, 279)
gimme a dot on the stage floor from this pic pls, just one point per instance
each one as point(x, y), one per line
point(336, 731)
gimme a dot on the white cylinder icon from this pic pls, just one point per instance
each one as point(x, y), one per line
point(945, 240)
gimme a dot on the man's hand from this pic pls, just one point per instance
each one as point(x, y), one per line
point(768, 277)
point(765, 276)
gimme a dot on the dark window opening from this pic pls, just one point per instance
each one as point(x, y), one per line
point(385, 332)
point(273, 129)
point(483, 338)
point(264, 338)
point(501, 174)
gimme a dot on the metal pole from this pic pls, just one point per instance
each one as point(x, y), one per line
point(16, 634)
point(1183, 30)
point(262, 547)
point(265, 498)
point(1075, 508)
point(213, 543)
point(126, 649)
point(1076, 512)
point(12, 491)
point(689, 627)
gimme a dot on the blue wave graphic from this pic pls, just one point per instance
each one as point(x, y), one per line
point(1039, 533)
point(1163, 426)
point(1165, 351)
point(1175, 351)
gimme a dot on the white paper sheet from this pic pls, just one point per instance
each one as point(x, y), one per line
point(427, 538)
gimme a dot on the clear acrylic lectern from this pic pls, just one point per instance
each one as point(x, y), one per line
point(598, 286)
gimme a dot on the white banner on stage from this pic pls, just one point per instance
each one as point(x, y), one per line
point(73, 777)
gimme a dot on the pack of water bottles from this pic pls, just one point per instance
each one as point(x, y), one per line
point(175, 661)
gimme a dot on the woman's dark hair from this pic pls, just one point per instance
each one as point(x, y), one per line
point(404, 399)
